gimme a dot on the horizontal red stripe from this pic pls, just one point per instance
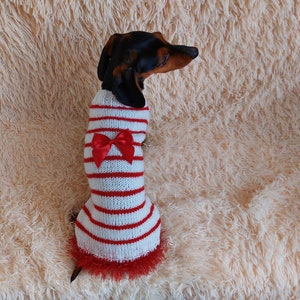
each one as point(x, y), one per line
point(118, 118)
point(114, 157)
point(95, 106)
point(116, 175)
point(120, 211)
point(118, 193)
point(124, 242)
point(90, 144)
point(118, 227)
point(119, 157)
point(114, 130)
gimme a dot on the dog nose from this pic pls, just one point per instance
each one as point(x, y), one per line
point(192, 52)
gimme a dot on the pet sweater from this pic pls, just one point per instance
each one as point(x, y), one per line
point(118, 224)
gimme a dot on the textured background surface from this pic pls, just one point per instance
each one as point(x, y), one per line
point(222, 153)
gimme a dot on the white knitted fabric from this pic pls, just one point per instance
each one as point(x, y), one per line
point(118, 223)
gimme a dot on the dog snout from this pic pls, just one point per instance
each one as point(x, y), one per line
point(192, 52)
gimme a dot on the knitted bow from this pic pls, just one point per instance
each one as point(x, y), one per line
point(101, 145)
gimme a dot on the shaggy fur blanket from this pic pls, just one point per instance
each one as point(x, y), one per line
point(221, 157)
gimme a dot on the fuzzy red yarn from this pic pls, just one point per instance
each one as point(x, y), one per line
point(116, 270)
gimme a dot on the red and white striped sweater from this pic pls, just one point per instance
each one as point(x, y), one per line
point(118, 225)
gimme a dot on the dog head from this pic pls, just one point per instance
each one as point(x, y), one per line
point(128, 59)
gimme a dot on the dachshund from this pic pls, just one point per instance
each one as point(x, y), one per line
point(128, 59)
point(117, 232)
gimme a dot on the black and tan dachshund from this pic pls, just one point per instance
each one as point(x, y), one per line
point(128, 59)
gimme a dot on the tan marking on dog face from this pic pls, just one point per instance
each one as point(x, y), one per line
point(168, 62)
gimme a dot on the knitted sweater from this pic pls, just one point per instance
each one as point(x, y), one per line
point(118, 223)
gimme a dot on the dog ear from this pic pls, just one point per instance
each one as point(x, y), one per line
point(106, 56)
point(126, 86)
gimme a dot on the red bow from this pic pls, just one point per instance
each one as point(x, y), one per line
point(101, 145)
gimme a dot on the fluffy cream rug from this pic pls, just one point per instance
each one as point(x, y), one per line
point(222, 154)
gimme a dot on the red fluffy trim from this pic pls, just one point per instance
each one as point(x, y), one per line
point(115, 270)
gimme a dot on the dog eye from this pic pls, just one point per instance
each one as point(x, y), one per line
point(164, 61)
